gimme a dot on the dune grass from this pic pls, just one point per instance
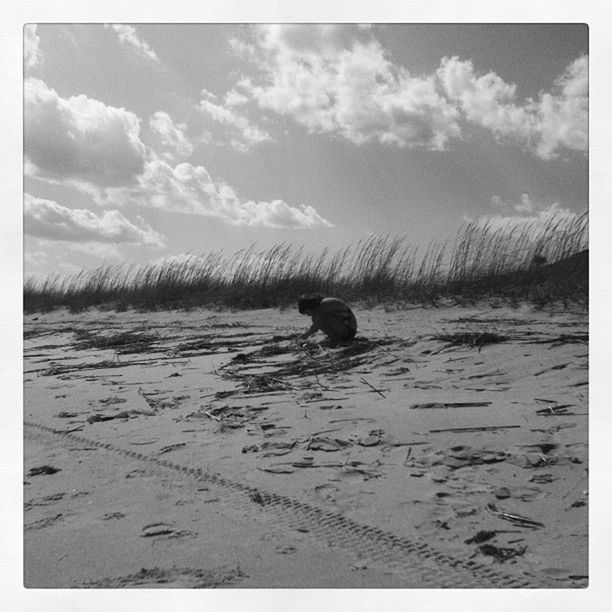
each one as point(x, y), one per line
point(541, 262)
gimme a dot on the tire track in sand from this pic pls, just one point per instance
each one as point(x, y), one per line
point(418, 562)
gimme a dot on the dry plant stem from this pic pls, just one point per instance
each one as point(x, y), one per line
point(363, 380)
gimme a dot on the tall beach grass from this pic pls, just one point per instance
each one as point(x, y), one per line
point(533, 260)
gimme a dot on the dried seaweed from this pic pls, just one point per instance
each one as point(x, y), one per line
point(470, 339)
point(501, 554)
point(43, 470)
point(449, 405)
point(122, 342)
point(517, 519)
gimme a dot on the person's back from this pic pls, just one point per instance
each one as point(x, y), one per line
point(330, 315)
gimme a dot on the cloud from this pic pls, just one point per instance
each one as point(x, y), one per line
point(172, 135)
point(338, 80)
point(234, 98)
point(526, 205)
point(534, 224)
point(498, 203)
point(97, 149)
point(556, 120)
point(79, 138)
point(555, 210)
point(52, 221)
point(563, 115)
point(31, 46)
point(525, 210)
point(190, 189)
point(243, 136)
point(127, 34)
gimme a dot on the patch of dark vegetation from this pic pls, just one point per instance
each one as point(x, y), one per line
point(577, 338)
point(263, 383)
point(543, 263)
point(470, 339)
point(43, 470)
point(213, 343)
point(61, 370)
point(501, 554)
point(312, 359)
point(306, 360)
point(122, 342)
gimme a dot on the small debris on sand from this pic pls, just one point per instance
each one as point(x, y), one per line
point(43, 470)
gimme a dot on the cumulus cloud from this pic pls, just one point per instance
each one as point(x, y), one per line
point(526, 209)
point(172, 135)
point(234, 98)
point(555, 210)
point(498, 203)
point(555, 120)
point(525, 206)
point(535, 224)
point(31, 46)
point(79, 138)
point(97, 149)
point(338, 79)
point(243, 135)
point(52, 221)
point(127, 34)
point(486, 99)
point(190, 189)
point(563, 114)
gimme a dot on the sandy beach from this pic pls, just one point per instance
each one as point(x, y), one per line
point(444, 447)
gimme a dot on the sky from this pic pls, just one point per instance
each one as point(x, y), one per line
point(146, 141)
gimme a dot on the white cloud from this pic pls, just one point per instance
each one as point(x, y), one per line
point(526, 205)
point(97, 149)
point(127, 34)
point(526, 209)
point(80, 138)
point(555, 210)
point(31, 46)
point(486, 100)
point(190, 189)
point(517, 226)
point(498, 203)
point(338, 79)
point(243, 49)
point(209, 95)
point(554, 121)
point(563, 115)
point(234, 98)
point(243, 135)
point(52, 221)
point(172, 135)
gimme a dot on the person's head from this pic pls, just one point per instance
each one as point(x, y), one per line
point(308, 304)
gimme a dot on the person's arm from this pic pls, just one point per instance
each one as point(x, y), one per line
point(313, 328)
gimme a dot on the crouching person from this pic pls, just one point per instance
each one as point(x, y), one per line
point(329, 315)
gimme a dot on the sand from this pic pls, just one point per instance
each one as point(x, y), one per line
point(446, 447)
